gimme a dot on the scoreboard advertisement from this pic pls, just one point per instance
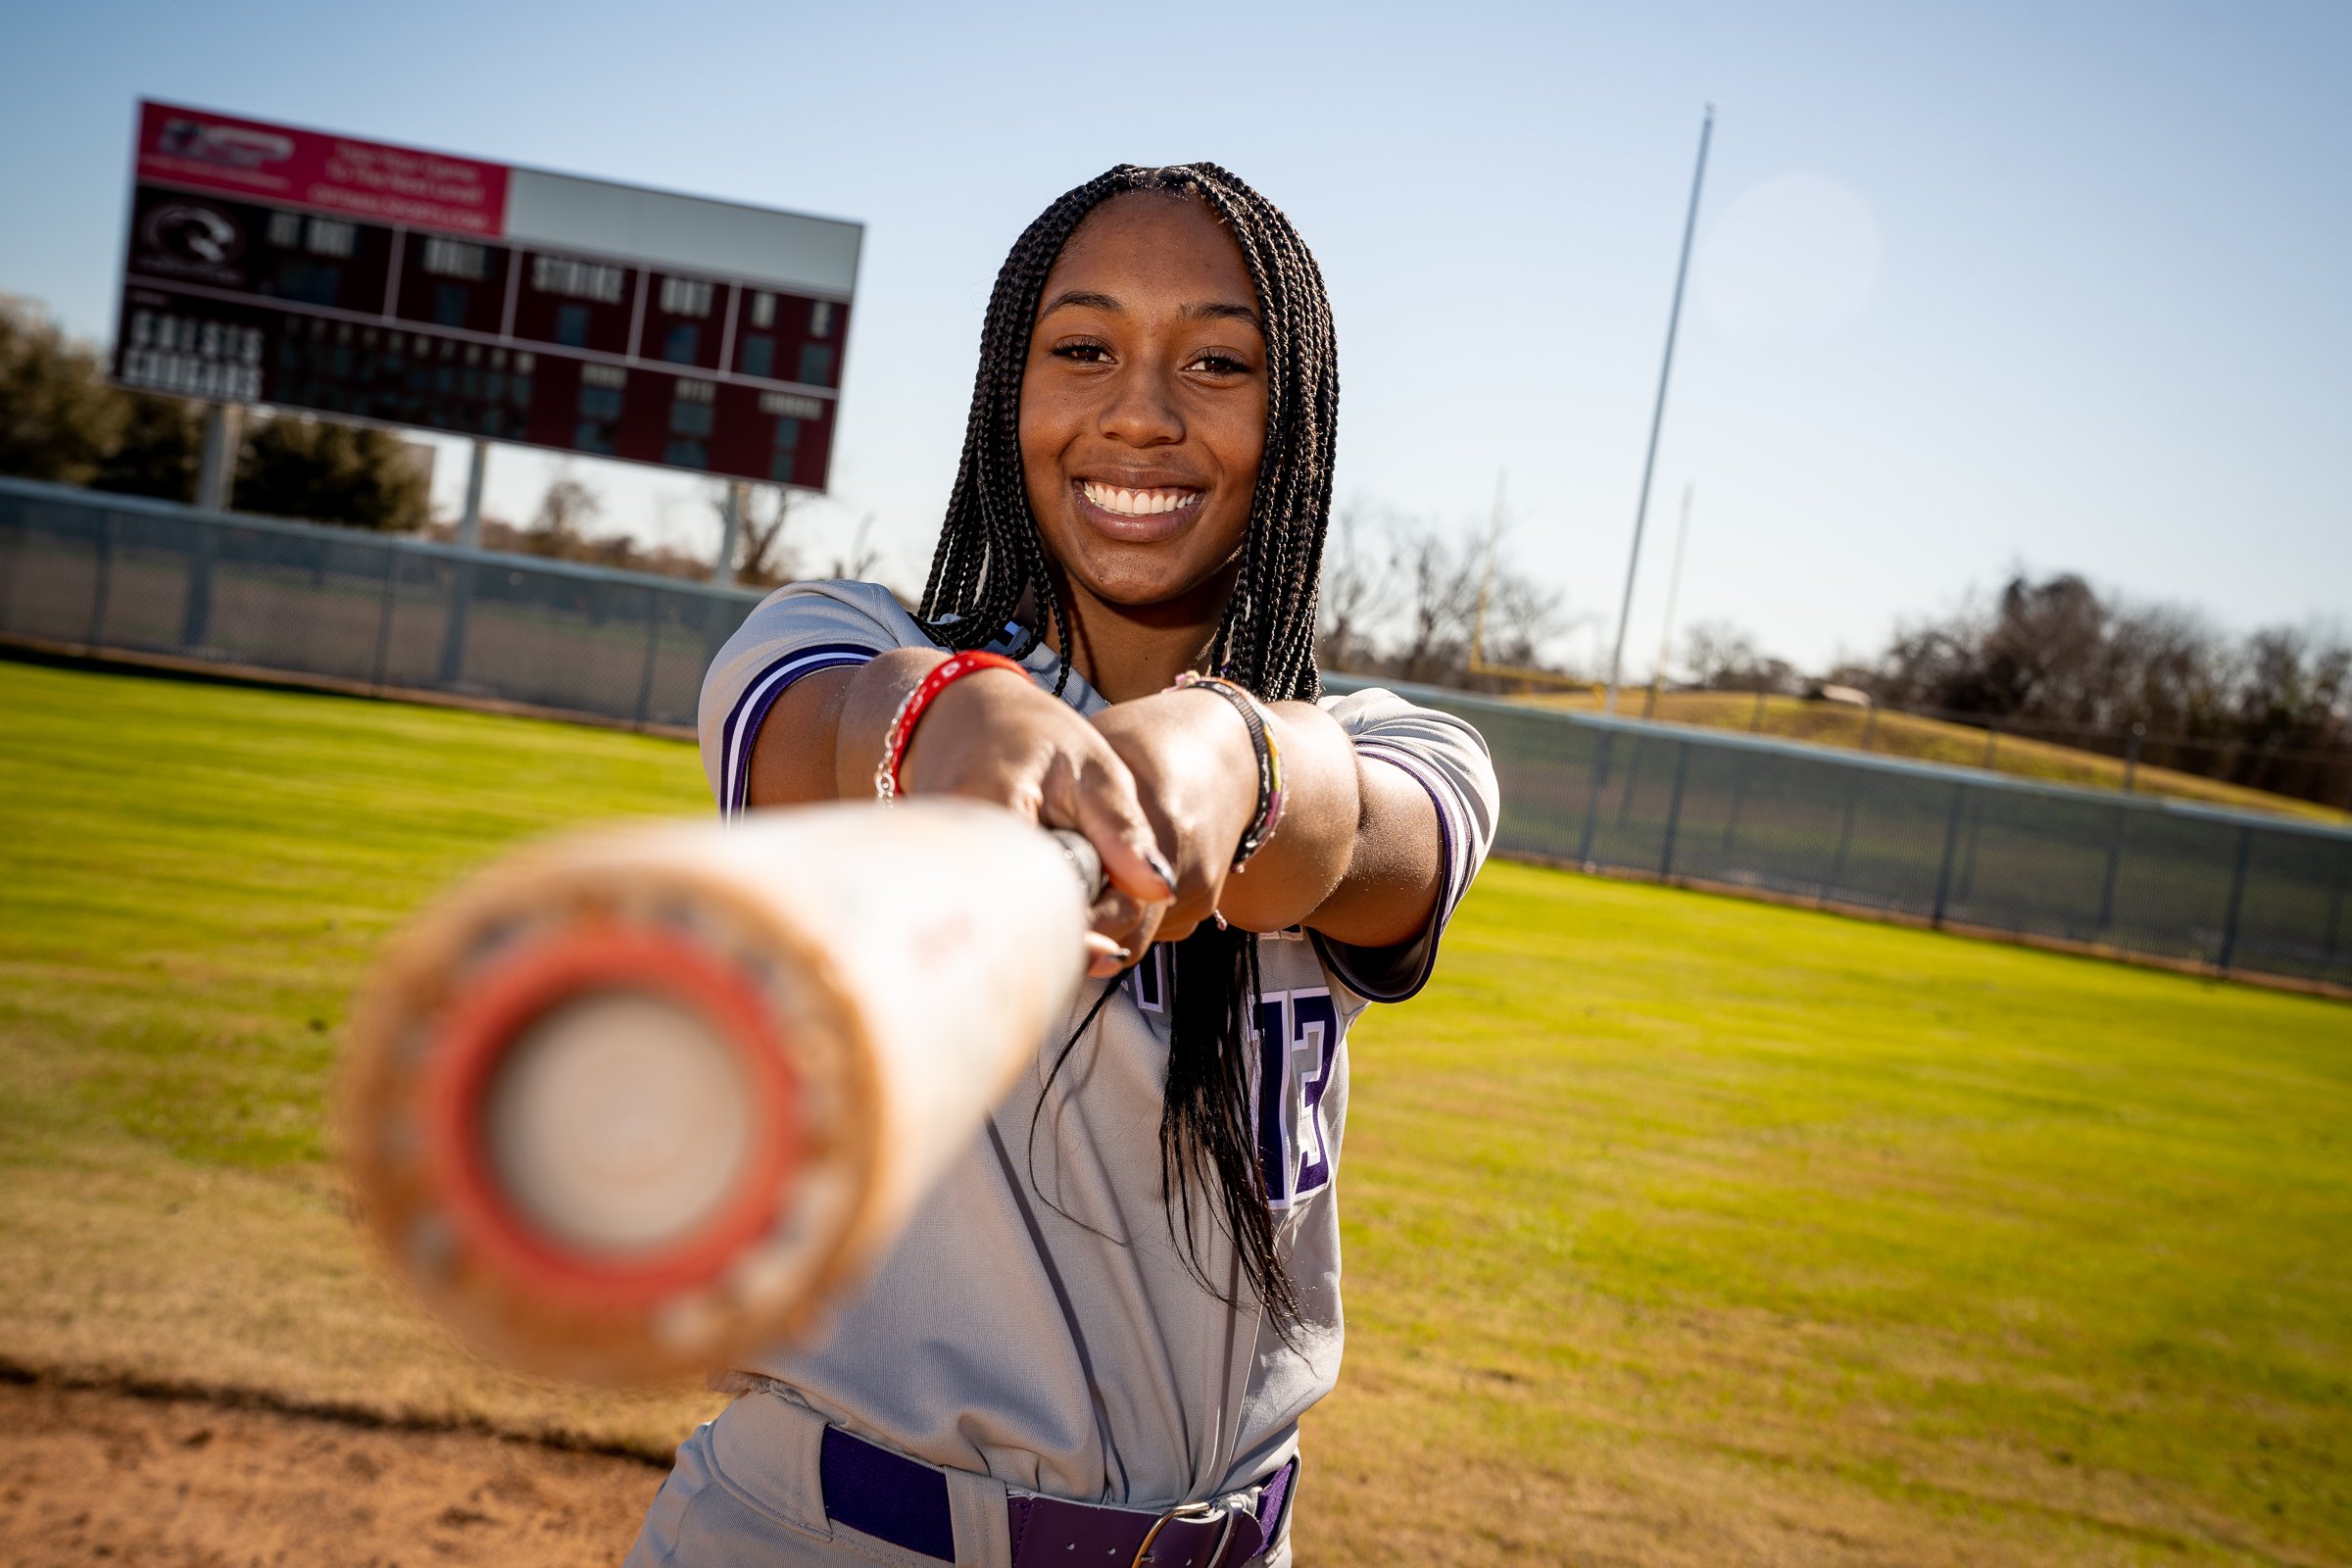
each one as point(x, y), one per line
point(304, 269)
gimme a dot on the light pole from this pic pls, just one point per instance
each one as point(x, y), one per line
point(1486, 580)
point(1657, 415)
point(1674, 591)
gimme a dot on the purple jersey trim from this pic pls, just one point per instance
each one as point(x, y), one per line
point(1342, 958)
point(750, 712)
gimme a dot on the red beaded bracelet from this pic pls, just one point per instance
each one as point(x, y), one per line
point(944, 674)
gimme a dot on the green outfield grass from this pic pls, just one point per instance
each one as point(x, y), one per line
point(1681, 1230)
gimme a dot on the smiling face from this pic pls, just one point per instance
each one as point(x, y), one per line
point(1144, 409)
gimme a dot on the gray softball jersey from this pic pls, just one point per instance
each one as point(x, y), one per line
point(1038, 1323)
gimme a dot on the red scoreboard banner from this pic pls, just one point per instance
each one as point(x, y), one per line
point(272, 265)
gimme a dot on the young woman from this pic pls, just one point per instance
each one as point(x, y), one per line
point(1094, 1344)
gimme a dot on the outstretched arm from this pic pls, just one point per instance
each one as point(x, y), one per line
point(1358, 855)
point(991, 736)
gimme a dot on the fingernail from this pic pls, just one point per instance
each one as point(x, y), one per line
point(1122, 955)
point(1152, 859)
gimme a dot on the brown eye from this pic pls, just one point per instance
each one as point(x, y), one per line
point(1216, 363)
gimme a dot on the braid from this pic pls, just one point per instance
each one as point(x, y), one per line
point(992, 557)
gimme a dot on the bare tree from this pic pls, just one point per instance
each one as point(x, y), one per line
point(1400, 597)
point(1723, 656)
point(2292, 707)
point(762, 558)
point(1522, 615)
point(1358, 592)
point(559, 527)
point(2163, 667)
point(1439, 577)
point(858, 565)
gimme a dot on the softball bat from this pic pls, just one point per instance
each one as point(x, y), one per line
point(626, 1105)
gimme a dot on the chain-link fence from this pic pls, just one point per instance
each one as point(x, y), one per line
point(1950, 846)
point(114, 574)
point(2316, 773)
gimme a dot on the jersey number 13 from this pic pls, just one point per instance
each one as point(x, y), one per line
point(1297, 1043)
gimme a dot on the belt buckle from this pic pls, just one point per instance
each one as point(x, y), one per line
point(1190, 1513)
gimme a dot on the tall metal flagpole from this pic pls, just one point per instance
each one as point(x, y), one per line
point(1657, 415)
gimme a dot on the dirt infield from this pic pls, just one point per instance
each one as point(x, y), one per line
point(91, 1474)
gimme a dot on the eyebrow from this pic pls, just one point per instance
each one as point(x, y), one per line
point(1089, 299)
point(1222, 312)
point(1086, 299)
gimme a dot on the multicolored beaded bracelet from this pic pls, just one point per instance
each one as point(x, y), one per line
point(1257, 720)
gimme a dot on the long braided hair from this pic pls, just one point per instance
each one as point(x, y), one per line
point(992, 564)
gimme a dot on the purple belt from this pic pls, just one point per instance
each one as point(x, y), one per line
point(905, 1501)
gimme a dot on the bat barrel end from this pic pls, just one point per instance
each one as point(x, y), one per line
point(583, 1138)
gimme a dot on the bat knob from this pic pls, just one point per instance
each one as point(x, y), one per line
point(612, 1113)
point(598, 1162)
point(1083, 860)
point(617, 1124)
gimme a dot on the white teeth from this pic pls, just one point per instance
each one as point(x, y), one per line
point(1136, 503)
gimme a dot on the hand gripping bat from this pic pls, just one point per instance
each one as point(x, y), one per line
point(625, 1105)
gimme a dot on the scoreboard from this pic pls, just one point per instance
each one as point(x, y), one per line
point(272, 265)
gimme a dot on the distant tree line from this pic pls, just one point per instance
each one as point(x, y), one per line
point(61, 420)
point(2051, 656)
point(2055, 657)
point(1723, 657)
point(2271, 708)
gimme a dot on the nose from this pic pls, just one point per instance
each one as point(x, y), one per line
point(1141, 407)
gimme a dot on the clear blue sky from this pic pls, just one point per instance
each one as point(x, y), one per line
point(1982, 283)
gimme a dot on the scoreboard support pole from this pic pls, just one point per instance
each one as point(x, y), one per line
point(461, 576)
point(470, 525)
point(216, 470)
point(215, 481)
point(730, 529)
